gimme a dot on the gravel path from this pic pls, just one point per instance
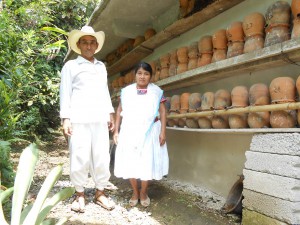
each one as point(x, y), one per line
point(172, 202)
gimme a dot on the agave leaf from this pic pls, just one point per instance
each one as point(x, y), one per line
point(2, 218)
point(50, 221)
point(25, 212)
point(60, 196)
point(48, 184)
point(23, 181)
point(6, 194)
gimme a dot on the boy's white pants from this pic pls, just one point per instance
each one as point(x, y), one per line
point(89, 152)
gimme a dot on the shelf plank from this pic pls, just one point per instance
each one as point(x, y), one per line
point(238, 131)
point(175, 29)
point(271, 56)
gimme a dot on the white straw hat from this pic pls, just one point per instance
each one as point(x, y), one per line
point(75, 35)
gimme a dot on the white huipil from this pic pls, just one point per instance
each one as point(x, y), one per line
point(138, 153)
point(85, 100)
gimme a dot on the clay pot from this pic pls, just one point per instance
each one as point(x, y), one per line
point(204, 59)
point(172, 69)
point(239, 96)
point(173, 57)
point(164, 73)
point(193, 63)
point(238, 121)
point(222, 99)
point(157, 73)
point(150, 32)
point(235, 48)
point(205, 122)
point(253, 24)
point(186, 6)
point(174, 109)
point(219, 39)
point(283, 119)
point(277, 33)
point(205, 44)
point(259, 119)
point(121, 81)
point(153, 67)
point(193, 50)
point(207, 101)
point(278, 13)
point(168, 104)
point(184, 106)
point(295, 6)
point(218, 55)
point(282, 89)
point(127, 78)
point(194, 104)
point(235, 32)
point(138, 40)
point(259, 94)
point(253, 43)
point(182, 67)
point(165, 60)
point(182, 54)
point(220, 122)
point(296, 28)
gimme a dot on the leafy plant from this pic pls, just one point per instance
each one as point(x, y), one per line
point(33, 213)
point(6, 167)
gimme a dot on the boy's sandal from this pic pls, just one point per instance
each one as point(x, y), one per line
point(78, 205)
point(110, 186)
point(133, 202)
point(102, 200)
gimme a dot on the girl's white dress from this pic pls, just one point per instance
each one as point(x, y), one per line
point(138, 153)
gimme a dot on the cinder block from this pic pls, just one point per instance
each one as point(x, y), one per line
point(273, 185)
point(276, 208)
point(255, 218)
point(283, 165)
point(278, 143)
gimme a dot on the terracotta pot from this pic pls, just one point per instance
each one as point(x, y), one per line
point(282, 89)
point(219, 39)
point(121, 81)
point(127, 78)
point(168, 104)
point(238, 121)
point(253, 43)
point(298, 86)
point(222, 99)
point(172, 69)
point(235, 32)
point(235, 48)
point(191, 123)
point(218, 55)
point(278, 12)
point(220, 122)
point(253, 24)
point(150, 32)
point(132, 75)
point(164, 73)
point(182, 54)
point(174, 109)
point(283, 119)
point(193, 63)
point(153, 67)
point(172, 122)
point(240, 96)
point(204, 59)
point(259, 120)
point(193, 50)
point(259, 94)
point(296, 28)
point(165, 60)
point(205, 122)
point(157, 74)
point(207, 101)
point(181, 67)
point(295, 5)
point(184, 106)
point(194, 102)
point(277, 33)
point(115, 84)
point(138, 40)
point(173, 57)
point(205, 44)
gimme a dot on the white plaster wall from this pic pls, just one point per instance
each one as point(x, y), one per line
point(215, 160)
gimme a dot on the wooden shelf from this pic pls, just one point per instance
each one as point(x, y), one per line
point(177, 28)
point(238, 131)
point(276, 55)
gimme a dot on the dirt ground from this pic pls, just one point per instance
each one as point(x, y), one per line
point(172, 202)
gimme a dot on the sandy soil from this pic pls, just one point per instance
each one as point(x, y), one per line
point(172, 202)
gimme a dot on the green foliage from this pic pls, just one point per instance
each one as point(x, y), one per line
point(34, 213)
point(32, 48)
point(6, 167)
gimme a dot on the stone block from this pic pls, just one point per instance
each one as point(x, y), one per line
point(276, 208)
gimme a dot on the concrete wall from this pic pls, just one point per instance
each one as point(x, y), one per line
point(214, 160)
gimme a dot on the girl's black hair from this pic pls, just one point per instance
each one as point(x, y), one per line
point(145, 66)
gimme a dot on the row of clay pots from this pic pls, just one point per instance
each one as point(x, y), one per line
point(280, 90)
point(128, 45)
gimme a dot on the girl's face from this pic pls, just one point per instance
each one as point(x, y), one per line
point(142, 78)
